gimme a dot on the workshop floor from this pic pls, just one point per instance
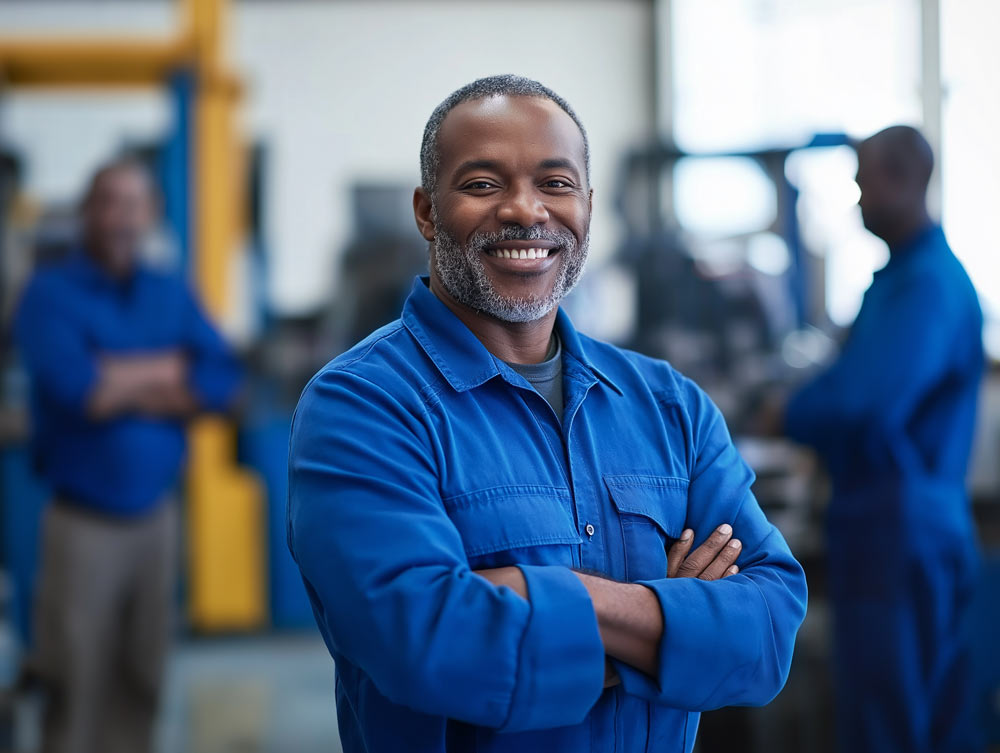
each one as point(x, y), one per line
point(250, 695)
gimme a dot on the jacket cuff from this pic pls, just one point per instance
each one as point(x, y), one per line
point(560, 674)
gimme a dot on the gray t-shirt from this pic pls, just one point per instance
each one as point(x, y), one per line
point(546, 377)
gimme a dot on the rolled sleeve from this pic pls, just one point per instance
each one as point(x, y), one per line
point(561, 669)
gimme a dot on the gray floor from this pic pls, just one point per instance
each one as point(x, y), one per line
point(250, 695)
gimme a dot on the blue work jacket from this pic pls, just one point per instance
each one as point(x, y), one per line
point(893, 417)
point(417, 457)
point(72, 313)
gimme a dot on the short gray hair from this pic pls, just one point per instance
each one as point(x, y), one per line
point(491, 86)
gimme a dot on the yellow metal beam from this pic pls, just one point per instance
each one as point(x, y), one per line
point(93, 62)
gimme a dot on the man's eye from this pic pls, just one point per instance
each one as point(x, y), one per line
point(556, 183)
point(478, 185)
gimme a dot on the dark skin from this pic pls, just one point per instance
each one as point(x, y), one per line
point(508, 161)
point(520, 161)
point(894, 167)
point(118, 211)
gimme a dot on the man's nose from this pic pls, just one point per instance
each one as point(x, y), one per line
point(523, 206)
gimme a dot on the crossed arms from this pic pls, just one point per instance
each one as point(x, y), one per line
point(389, 580)
point(628, 614)
point(198, 372)
point(151, 385)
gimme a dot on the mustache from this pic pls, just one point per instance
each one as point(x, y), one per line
point(482, 240)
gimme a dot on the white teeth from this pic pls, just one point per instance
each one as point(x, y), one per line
point(522, 253)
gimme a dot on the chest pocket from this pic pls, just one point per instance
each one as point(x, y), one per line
point(651, 511)
point(519, 524)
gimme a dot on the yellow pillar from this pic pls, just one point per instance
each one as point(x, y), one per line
point(225, 503)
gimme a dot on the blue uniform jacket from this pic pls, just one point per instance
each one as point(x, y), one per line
point(69, 315)
point(894, 416)
point(417, 457)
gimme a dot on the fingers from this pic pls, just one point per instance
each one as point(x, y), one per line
point(678, 551)
point(611, 677)
point(696, 562)
point(713, 553)
point(723, 562)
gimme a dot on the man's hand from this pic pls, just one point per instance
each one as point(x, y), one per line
point(148, 384)
point(711, 561)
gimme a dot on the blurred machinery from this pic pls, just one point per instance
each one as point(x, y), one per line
point(718, 297)
point(380, 262)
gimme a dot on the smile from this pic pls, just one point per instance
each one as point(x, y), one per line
point(518, 253)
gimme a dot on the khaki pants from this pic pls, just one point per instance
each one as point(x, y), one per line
point(103, 620)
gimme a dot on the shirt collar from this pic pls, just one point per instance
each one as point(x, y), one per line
point(929, 237)
point(90, 271)
point(459, 355)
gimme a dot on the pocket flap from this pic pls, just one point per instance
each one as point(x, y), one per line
point(512, 517)
point(661, 499)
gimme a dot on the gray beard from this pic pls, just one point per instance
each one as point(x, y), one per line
point(463, 274)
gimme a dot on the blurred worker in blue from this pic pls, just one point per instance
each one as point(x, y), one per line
point(893, 419)
point(120, 357)
point(514, 537)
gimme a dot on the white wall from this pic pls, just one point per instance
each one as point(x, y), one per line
point(970, 151)
point(340, 91)
point(63, 135)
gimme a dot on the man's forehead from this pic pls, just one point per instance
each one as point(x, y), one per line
point(117, 176)
point(505, 122)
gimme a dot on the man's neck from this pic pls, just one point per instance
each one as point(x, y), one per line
point(114, 272)
point(908, 230)
point(513, 342)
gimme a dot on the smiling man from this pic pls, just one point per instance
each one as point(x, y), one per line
point(496, 517)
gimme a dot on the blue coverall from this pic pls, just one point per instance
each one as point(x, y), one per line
point(418, 457)
point(893, 418)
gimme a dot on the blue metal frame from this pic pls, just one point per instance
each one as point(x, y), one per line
point(176, 166)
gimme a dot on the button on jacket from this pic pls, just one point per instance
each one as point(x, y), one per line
point(417, 457)
point(70, 314)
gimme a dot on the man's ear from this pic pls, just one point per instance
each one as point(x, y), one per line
point(422, 213)
point(590, 200)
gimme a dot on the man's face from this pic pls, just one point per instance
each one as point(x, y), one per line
point(511, 214)
point(116, 215)
point(882, 196)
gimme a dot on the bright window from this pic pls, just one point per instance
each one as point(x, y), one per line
point(970, 164)
point(761, 73)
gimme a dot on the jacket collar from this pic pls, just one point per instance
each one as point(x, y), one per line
point(86, 269)
point(459, 355)
point(928, 238)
